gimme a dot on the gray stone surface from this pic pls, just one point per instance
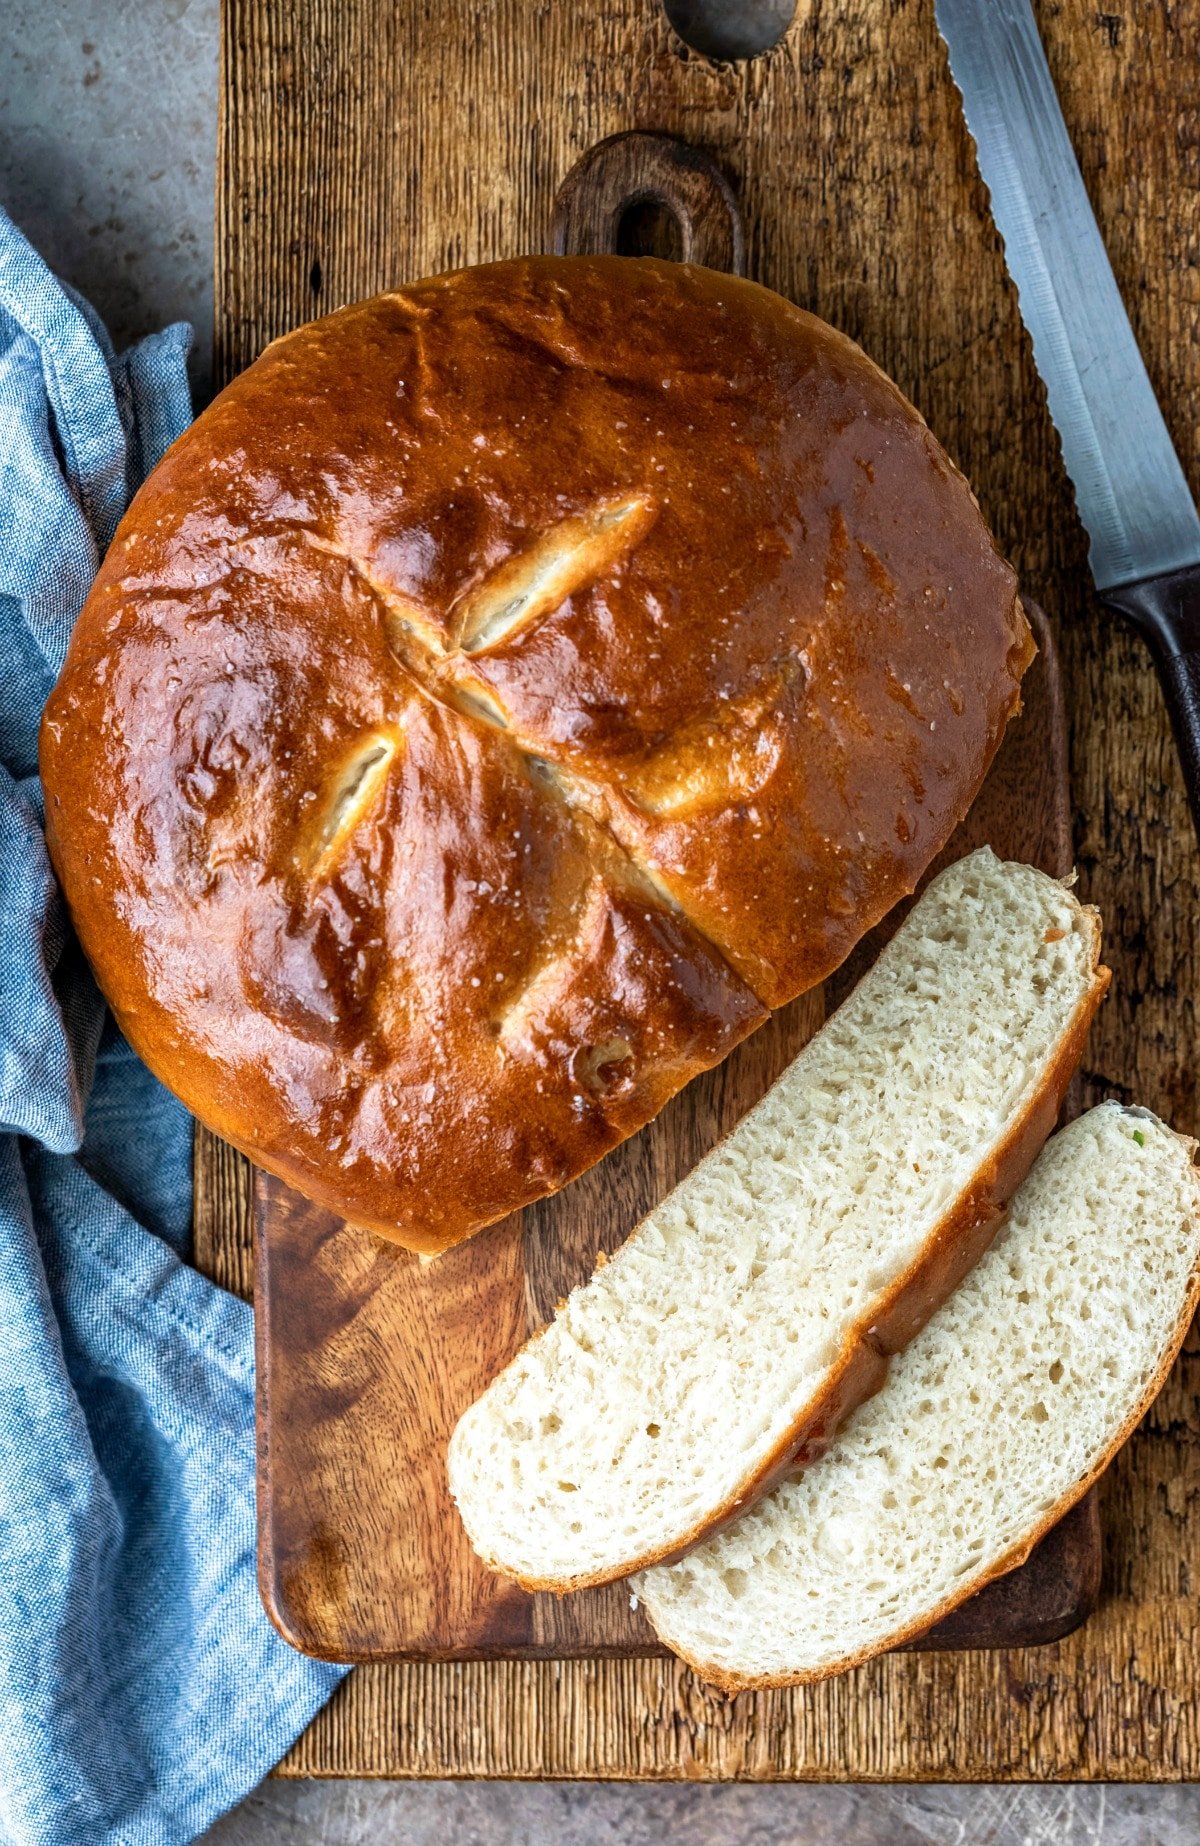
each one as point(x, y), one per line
point(108, 130)
point(107, 139)
point(624, 1814)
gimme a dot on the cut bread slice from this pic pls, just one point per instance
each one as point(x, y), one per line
point(761, 1299)
point(992, 1424)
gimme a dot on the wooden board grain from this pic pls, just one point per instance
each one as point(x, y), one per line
point(367, 1357)
point(365, 141)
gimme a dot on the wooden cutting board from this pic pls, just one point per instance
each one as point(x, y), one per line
point(367, 1357)
point(366, 141)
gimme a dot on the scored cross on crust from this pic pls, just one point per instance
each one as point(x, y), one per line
point(719, 757)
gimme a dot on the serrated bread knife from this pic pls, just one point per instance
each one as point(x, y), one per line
point(1131, 492)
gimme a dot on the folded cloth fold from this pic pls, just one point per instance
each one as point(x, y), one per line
point(142, 1688)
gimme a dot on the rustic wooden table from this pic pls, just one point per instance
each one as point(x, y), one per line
point(366, 142)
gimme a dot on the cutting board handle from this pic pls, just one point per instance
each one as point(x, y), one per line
point(640, 168)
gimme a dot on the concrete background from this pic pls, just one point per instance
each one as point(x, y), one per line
point(107, 143)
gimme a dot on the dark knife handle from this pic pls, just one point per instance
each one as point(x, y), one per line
point(1166, 611)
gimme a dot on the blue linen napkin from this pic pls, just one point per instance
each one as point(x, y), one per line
point(142, 1689)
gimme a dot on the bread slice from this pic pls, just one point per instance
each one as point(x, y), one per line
point(997, 1419)
point(761, 1299)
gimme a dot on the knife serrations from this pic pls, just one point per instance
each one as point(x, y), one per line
point(1131, 491)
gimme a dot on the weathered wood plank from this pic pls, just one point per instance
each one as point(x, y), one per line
point(365, 141)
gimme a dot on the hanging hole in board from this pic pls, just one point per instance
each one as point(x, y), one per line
point(730, 28)
point(650, 227)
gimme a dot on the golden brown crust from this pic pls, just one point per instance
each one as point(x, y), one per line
point(506, 692)
point(950, 1252)
point(970, 1585)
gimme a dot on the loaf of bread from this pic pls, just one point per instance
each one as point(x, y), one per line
point(992, 1424)
point(762, 1298)
point(505, 693)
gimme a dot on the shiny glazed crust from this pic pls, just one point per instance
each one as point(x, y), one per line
point(951, 1251)
point(502, 696)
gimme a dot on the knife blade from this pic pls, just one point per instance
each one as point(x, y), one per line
point(1133, 497)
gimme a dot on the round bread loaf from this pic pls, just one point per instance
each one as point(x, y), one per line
point(506, 692)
